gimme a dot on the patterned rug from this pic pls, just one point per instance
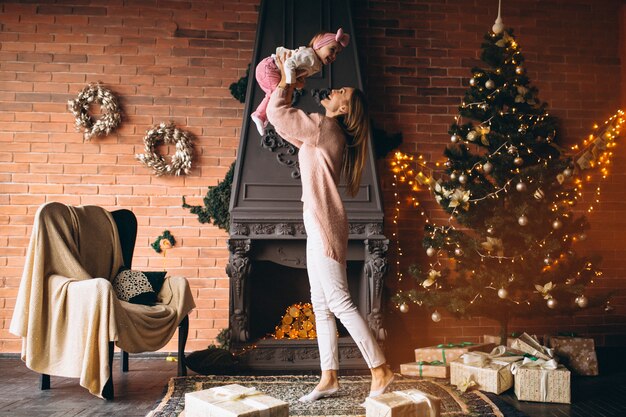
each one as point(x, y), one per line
point(346, 403)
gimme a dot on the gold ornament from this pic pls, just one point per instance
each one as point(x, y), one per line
point(503, 293)
point(557, 224)
point(522, 220)
point(552, 303)
point(436, 317)
point(582, 301)
point(404, 308)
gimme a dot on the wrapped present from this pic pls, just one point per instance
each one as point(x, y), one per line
point(489, 372)
point(407, 403)
point(576, 353)
point(530, 344)
point(233, 401)
point(435, 369)
point(448, 352)
point(541, 380)
point(497, 339)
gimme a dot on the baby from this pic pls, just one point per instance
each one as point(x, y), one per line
point(303, 62)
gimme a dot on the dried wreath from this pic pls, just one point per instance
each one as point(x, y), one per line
point(110, 108)
point(168, 134)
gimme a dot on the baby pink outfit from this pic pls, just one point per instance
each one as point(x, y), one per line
point(302, 60)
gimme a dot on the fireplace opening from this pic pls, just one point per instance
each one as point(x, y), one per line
point(274, 287)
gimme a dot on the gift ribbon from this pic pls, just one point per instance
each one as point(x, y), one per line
point(498, 355)
point(226, 395)
point(530, 344)
point(444, 346)
point(544, 365)
point(434, 363)
point(418, 397)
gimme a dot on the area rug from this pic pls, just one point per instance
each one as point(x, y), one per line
point(346, 403)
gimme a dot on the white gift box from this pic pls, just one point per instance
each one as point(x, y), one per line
point(407, 403)
point(233, 401)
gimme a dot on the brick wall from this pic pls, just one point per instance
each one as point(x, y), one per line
point(174, 60)
point(167, 60)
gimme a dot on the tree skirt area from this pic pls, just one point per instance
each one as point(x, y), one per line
point(346, 403)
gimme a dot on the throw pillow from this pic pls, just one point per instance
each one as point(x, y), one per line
point(138, 287)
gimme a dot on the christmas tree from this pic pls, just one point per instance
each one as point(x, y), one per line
point(509, 248)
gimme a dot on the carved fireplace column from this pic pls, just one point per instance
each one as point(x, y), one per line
point(374, 269)
point(238, 269)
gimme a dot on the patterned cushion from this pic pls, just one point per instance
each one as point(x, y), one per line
point(138, 287)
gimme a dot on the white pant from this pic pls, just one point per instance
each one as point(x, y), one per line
point(330, 297)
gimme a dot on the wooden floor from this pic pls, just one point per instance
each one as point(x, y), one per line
point(138, 391)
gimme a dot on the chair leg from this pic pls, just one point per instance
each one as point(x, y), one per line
point(124, 360)
point(183, 332)
point(107, 391)
point(45, 381)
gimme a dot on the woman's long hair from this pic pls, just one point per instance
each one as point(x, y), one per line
point(356, 126)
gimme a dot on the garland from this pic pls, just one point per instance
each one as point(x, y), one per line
point(168, 134)
point(111, 113)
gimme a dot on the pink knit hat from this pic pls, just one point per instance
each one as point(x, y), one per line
point(342, 38)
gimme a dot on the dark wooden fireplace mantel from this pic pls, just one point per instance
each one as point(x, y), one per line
point(267, 235)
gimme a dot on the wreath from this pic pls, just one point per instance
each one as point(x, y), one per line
point(110, 108)
point(167, 134)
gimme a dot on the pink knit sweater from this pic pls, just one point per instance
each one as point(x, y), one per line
point(321, 142)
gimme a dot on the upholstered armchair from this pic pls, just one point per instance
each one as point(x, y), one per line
point(68, 312)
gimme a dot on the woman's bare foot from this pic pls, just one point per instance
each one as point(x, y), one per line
point(382, 377)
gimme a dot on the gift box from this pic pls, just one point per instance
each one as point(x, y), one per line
point(497, 339)
point(576, 353)
point(407, 403)
point(435, 369)
point(233, 401)
point(542, 381)
point(449, 352)
point(489, 372)
point(530, 344)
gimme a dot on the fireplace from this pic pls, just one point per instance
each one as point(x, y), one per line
point(267, 238)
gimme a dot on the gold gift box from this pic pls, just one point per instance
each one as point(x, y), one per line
point(233, 401)
point(407, 403)
point(422, 369)
point(555, 387)
point(577, 353)
point(449, 352)
point(493, 377)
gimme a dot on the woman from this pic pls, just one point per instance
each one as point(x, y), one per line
point(330, 145)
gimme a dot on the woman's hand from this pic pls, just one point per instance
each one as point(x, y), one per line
point(281, 66)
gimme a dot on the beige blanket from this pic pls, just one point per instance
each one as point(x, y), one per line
point(66, 310)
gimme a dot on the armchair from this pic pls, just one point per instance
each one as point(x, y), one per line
point(67, 312)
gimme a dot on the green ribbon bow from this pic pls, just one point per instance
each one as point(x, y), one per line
point(444, 346)
point(531, 357)
point(434, 363)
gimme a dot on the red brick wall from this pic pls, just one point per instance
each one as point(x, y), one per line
point(416, 59)
point(167, 60)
